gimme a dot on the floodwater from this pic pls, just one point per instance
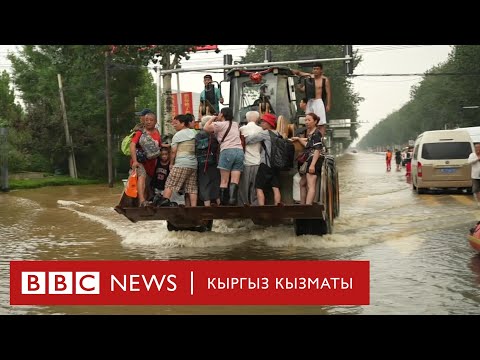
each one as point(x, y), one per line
point(420, 260)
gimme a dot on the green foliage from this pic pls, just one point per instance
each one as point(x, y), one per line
point(147, 97)
point(82, 68)
point(48, 181)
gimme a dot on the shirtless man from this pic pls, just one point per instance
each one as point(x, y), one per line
point(322, 102)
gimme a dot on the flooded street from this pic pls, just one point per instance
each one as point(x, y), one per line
point(420, 260)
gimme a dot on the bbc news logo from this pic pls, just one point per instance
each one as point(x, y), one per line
point(61, 283)
point(160, 282)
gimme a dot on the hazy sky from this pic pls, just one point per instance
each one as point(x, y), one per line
point(383, 95)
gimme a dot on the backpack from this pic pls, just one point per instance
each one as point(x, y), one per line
point(149, 146)
point(282, 154)
point(206, 150)
point(125, 147)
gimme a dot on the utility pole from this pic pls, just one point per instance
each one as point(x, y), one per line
point(159, 100)
point(109, 120)
point(268, 55)
point(348, 64)
point(71, 156)
point(227, 60)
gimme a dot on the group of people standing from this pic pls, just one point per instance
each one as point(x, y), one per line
point(398, 159)
point(222, 163)
point(208, 162)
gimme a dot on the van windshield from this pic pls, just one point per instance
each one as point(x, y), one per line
point(446, 151)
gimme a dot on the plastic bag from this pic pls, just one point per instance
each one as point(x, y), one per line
point(296, 188)
point(131, 188)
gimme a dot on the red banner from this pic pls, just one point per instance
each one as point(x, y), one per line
point(207, 48)
point(187, 103)
point(189, 282)
point(174, 105)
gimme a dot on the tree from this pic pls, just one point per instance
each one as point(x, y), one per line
point(11, 117)
point(147, 93)
point(35, 71)
point(169, 57)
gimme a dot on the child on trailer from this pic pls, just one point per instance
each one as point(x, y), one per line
point(161, 173)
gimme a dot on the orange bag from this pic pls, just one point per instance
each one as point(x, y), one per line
point(131, 188)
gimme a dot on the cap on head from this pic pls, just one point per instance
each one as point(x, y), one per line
point(270, 119)
point(143, 112)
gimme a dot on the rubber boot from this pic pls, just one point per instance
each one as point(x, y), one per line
point(223, 196)
point(233, 194)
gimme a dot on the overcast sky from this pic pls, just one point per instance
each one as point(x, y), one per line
point(383, 95)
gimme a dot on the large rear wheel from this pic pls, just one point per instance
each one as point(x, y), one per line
point(330, 198)
point(326, 196)
point(336, 192)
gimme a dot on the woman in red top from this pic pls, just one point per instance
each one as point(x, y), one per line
point(146, 168)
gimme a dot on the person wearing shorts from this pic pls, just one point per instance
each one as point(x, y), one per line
point(183, 162)
point(231, 157)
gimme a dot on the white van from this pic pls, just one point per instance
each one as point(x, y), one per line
point(440, 160)
point(474, 132)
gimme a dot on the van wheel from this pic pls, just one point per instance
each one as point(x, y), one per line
point(420, 191)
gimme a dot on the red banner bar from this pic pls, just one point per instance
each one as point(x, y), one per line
point(189, 282)
point(187, 103)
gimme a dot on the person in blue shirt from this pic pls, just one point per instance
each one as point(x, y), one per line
point(210, 98)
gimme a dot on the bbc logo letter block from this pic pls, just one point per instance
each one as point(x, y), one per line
point(61, 283)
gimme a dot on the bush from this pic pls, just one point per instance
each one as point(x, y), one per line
point(39, 163)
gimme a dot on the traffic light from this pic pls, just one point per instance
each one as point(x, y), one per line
point(348, 64)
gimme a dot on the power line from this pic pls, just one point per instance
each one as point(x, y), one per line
point(420, 74)
point(380, 48)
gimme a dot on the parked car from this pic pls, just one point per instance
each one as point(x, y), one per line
point(440, 160)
